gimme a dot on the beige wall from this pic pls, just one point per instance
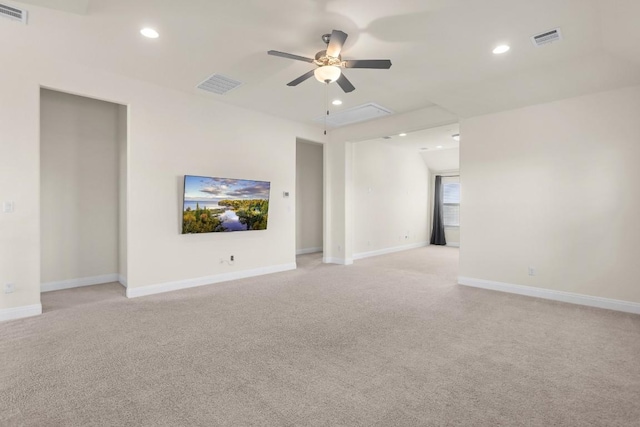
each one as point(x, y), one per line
point(555, 187)
point(20, 184)
point(309, 197)
point(170, 134)
point(390, 197)
point(452, 236)
point(122, 193)
point(338, 237)
point(79, 187)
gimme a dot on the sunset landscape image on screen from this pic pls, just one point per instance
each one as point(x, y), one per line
point(224, 204)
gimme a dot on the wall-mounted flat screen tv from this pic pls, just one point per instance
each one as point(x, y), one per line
point(213, 205)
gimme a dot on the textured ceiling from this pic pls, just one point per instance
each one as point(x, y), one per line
point(73, 6)
point(440, 49)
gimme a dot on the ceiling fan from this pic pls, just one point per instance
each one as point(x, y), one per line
point(330, 64)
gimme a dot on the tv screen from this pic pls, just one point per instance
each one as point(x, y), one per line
point(213, 205)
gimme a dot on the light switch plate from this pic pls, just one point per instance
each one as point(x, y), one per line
point(7, 207)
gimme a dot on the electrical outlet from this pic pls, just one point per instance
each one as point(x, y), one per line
point(9, 288)
point(232, 258)
point(532, 271)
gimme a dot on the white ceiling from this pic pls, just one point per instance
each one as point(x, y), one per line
point(436, 146)
point(440, 49)
point(430, 139)
point(73, 6)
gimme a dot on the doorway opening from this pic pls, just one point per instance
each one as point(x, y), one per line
point(83, 181)
point(393, 190)
point(309, 198)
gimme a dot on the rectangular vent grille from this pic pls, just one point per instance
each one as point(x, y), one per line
point(219, 84)
point(547, 37)
point(13, 13)
point(357, 114)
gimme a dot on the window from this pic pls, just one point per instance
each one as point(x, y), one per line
point(451, 203)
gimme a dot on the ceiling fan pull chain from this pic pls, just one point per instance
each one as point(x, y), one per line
point(326, 104)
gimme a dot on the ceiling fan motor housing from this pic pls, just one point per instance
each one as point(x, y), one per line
point(322, 59)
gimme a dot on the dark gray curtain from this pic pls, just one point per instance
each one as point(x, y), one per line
point(437, 234)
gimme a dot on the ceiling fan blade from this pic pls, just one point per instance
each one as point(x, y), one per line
point(289, 56)
point(300, 79)
point(345, 84)
point(383, 64)
point(336, 42)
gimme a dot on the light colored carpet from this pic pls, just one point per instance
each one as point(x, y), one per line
point(389, 341)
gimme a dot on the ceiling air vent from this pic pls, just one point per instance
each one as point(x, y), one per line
point(357, 114)
point(219, 84)
point(13, 13)
point(547, 37)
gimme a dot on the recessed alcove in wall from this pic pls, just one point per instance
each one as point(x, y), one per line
point(83, 158)
point(309, 197)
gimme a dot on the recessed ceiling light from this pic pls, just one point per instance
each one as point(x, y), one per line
point(501, 49)
point(150, 33)
point(439, 146)
point(456, 136)
point(337, 102)
point(402, 134)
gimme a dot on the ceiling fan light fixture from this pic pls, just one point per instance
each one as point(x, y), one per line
point(330, 63)
point(328, 73)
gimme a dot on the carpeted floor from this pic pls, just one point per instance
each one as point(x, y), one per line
point(389, 341)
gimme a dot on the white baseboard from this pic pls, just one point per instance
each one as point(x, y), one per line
point(393, 249)
point(76, 283)
point(20, 312)
point(341, 261)
point(308, 251)
point(454, 245)
point(122, 280)
point(209, 280)
point(570, 297)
